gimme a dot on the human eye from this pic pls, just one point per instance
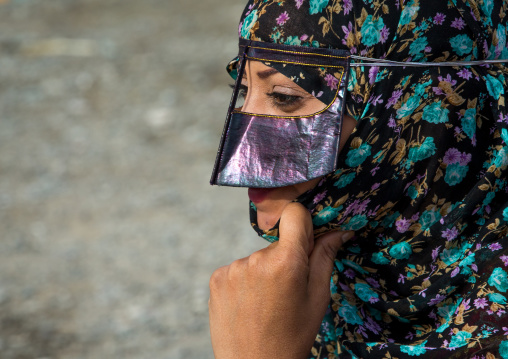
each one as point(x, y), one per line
point(242, 92)
point(284, 101)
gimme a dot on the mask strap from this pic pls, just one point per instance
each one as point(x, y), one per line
point(234, 97)
point(389, 63)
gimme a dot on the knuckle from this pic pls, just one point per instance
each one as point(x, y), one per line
point(216, 279)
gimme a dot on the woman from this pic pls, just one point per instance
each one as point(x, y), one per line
point(421, 180)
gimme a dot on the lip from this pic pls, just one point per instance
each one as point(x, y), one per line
point(258, 195)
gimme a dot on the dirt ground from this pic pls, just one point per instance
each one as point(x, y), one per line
point(111, 112)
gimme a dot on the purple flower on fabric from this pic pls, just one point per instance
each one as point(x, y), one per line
point(372, 325)
point(438, 91)
point(504, 258)
point(391, 122)
point(373, 73)
point(350, 273)
point(458, 23)
point(503, 118)
point(495, 246)
point(375, 186)
point(450, 233)
point(448, 79)
point(451, 156)
point(298, 3)
point(439, 18)
point(347, 30)
point(395, 97)
point(465, 304)
point(438, 299)
point(385, 32)
point(348, 6)
point(375, 100)
point(401, 278)
point(465, 74)
point(464, 159)
point(481, 303)
point(281, 20)
point(319, 197)
point(402, 225)
point(455, 272)
point(435, 253)
point(331, 81)
point(374, 283)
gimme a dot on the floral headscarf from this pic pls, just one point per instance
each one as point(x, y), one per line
point(422, 180)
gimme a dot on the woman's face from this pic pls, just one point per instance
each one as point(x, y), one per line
point(267, 91)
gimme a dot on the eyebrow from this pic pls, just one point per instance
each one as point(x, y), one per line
point(266, 73)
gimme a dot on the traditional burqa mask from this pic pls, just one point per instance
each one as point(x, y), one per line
point(288, 141)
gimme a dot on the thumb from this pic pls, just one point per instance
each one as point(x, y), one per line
point(321, 262)
point(295, 228)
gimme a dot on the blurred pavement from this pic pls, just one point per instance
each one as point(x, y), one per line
point(110, 117)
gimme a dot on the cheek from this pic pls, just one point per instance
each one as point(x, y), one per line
point(304, 187)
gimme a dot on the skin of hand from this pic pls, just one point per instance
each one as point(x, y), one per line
point(271, 304)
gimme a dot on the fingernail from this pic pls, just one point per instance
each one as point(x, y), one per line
point(347, 236)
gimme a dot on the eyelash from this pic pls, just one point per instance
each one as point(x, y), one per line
point(279, 99)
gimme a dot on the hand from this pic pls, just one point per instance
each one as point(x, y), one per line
point(271, 304)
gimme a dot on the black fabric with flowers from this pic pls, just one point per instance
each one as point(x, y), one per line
point(422, 180)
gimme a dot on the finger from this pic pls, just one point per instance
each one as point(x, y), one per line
point(295, 228)
point(321, 263)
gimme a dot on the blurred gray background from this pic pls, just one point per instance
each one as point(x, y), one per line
point(110, 117)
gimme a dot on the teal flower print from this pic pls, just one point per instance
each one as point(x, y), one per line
point(270, 239)
point(408, 107)
point(317, 6)
point(494, 86)
point(499, 279)
point(503, 349)
point(401, 250)
point(371, 31)
point(434, 113)
point(460, 339)
point(379, 258)
point(414, 350)
point(388, 221)
point(428, 218)
point(293, 40)
point(344, 180)
point(455, 173)
point(461, 44)
point(355, 266)
point(425, 150)
point(357, 156)
point(450, 256)
point(469, 122)
point(326, 215)
point(365, 292)
point(487, 6)
point(417, 47)
point(408, 13)
point(248, 23)
point(497, 298)
point(355, 223)
point(501, 157)
point(412, 192)
point(349, 313)
point(505, 214)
